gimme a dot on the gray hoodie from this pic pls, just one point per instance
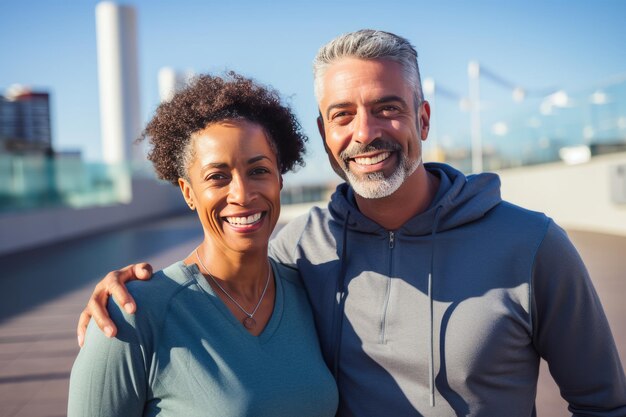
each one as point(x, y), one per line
point(450, 314)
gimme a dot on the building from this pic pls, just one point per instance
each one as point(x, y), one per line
point(25, 121)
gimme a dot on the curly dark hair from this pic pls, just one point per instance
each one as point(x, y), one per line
point(211, 99)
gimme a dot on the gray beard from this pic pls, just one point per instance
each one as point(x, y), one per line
point(376, 185)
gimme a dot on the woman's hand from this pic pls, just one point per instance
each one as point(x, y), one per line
point(111, 284)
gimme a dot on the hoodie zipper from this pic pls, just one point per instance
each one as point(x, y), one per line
point(383, 323)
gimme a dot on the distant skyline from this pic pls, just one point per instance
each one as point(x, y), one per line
point(51, 45)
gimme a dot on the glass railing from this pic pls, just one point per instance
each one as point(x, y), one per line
point(37, 181)
point(534, 129)
point(537, 129)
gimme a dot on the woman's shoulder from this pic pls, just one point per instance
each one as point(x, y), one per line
point(154, 299)
point(288, 274)
point(153, 296)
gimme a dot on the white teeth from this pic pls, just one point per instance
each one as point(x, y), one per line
point(372, 160)
point(241, 221)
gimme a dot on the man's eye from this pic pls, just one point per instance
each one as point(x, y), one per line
point(389, 109)
point(341, 116)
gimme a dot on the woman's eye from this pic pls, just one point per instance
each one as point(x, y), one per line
point(260, 170)
point(215, 177)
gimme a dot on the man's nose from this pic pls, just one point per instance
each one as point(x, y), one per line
point(366, 129)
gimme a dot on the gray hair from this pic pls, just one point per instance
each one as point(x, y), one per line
point(186, 158)
point(369, 44)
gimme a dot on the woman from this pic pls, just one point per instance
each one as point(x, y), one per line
point(224, 332)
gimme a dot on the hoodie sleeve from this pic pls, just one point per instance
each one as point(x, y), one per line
point(571, 331)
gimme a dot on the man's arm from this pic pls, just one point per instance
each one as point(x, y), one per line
point(111, 284)
point(282, 248)
point(572, 333)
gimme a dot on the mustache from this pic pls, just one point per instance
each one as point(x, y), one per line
point(381, 144)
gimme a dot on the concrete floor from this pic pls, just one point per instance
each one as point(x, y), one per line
point(42, 294)
point(44, 290)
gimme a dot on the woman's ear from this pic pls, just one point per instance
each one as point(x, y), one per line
point(185, 189)
point(281, 181)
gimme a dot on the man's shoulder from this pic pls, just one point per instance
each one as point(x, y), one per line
point(518, 215)
point(316, 216)
point(311, 226)
point(314, 220)
point(516, 224)
point(515, 208)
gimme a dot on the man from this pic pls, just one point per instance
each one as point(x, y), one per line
point(432, 296)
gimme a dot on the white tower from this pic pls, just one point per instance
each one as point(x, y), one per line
point(120, 119)
point(171, 82)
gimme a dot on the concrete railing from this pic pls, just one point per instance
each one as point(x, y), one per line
point(151, 199)
point(588, 197)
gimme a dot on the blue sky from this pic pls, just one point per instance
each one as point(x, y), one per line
point(536, 44)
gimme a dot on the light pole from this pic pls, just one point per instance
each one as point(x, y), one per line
point(428, 87)
point(473, 73)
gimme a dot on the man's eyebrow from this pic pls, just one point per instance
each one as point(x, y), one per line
point(380, 100)
point(343, 105)
point(389, 99)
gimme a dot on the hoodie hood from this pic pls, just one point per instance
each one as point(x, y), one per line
point(460, 200)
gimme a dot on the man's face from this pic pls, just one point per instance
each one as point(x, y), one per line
point(371, 128)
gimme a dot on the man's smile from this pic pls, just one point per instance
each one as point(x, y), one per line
point(371, 159)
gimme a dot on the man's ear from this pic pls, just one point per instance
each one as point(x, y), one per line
point(333, 163)
point(185, 189)
point(320, 127)
point(424, 116)
point(281, 181)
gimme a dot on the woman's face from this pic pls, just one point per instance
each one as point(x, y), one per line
point(234, 184)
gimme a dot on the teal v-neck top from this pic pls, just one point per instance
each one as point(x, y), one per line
point(183, 353)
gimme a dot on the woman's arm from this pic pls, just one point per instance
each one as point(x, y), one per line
point(109, 376)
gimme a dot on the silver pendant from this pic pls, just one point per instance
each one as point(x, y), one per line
point(249, 323)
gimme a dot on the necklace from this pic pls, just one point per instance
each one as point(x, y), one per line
point(248, 322)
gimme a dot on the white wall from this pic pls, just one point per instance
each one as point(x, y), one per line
point(577, 197)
